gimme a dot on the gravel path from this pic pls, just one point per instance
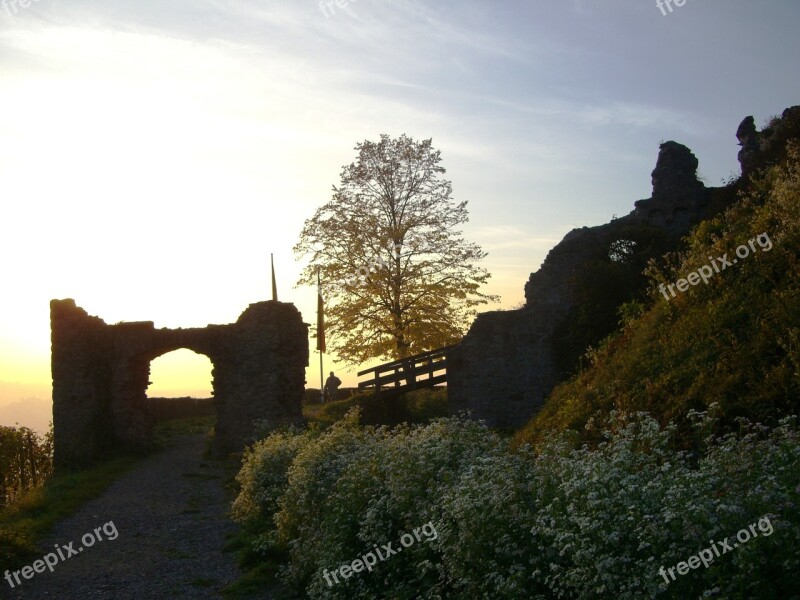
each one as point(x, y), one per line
point(169, 512)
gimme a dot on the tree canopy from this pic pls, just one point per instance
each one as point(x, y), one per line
point(397, 276)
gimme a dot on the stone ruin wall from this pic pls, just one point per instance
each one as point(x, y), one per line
point(504, 369)
point(101, 373)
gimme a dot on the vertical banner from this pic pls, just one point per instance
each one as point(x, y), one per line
point(320, 336)
point(320, 318)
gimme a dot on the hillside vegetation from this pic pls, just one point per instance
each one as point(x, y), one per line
point(734, 341)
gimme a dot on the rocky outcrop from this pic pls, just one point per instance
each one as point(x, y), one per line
point(101, 373)
point(748, 140)
point(679, 198)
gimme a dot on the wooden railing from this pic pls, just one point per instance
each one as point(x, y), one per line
point(418, 371)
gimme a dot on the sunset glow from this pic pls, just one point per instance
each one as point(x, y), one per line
point(150, 161)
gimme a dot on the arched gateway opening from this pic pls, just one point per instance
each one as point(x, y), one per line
point(181, 386)
point(101, 374)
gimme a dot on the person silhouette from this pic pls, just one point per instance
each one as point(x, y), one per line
point(331, 386)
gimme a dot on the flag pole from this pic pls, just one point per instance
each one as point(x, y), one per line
point(320, 338)
point(274, 287)
point(321, 385)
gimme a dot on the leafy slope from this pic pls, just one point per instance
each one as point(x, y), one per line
point(734, 341)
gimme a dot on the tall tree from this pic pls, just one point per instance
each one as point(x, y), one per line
point(398, 278)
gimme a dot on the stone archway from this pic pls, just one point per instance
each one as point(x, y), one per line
point(101, 373)
point(180, 386)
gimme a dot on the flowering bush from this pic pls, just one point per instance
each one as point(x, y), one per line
point(564, 522)
point(264, 473)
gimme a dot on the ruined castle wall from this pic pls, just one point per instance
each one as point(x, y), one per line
point(101, 374)
point(261, 375)
point(82, 373)
point(505, 367)
point(131, 376)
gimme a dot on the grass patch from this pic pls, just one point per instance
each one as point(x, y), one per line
point(260, 573)
point(22, 524)
point(165, 432)
point(329, 413)
point(420, 406)
point(252, 584)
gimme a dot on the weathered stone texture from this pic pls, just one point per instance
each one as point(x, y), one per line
point(101, 373)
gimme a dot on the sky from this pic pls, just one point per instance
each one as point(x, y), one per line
point(153, 154)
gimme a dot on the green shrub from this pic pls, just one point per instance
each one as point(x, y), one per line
point(15, 547)
point(263, 476)
point(634, 504)
point(26, 462)
point(565, 522)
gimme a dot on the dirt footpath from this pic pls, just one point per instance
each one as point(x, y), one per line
point(169, 515)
